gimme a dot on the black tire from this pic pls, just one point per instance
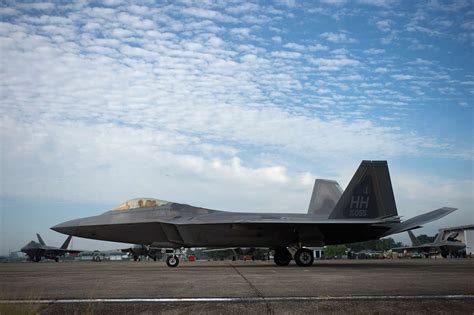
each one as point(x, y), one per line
point(172, 261)
point(37, 259)
point(56, 259)
point(304, 257)
point(282, 256)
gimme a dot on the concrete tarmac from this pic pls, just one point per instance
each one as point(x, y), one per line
point(331, 286)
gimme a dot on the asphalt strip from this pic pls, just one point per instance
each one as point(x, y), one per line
point(244, 299)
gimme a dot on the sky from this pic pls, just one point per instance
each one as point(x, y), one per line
point(230, 105)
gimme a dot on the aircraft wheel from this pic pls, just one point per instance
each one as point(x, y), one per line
point(154, 258)
point(282, 256)
point(56, 259)
point(172, 261)
point(304, 257)
point(37, 259)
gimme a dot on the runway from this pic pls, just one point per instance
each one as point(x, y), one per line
point(424, 285)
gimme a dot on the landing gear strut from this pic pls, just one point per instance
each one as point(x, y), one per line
point(282, 256)
point(172, 261)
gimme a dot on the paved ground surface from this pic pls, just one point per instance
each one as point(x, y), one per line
point(255, 280)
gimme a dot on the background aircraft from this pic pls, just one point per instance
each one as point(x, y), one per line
point(366, 210)
point(449, 246)
point(36, 251)
point(138, 251)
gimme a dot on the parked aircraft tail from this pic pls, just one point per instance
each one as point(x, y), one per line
point(326, 194)
point(414, 240)
point(368, 195)
point(40, 240)
point(66, 242)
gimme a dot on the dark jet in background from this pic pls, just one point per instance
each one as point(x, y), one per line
point(447, 247)
point(138, 251)
point(36, 251)
point(366, 210)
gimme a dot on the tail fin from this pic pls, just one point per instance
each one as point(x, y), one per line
point(414, 240)
point(66, 242)
point(326, 194)
point(40, 240)
point(368, 195)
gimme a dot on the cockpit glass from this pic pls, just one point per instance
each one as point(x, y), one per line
point(140, 203)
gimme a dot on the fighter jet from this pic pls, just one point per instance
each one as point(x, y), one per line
point(366, 210)
point(36, 251)
point(138, 251)
point(450, 246)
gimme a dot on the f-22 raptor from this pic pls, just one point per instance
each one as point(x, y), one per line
point(36, 251)
point(366, 210)
point(446, 247)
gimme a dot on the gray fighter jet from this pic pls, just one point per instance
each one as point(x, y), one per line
point(366, 210)
point(36, 251)
point(446, 247)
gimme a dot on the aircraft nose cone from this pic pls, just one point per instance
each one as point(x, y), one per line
point(68, 227)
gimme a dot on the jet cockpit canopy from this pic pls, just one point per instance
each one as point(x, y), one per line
point(140, 203)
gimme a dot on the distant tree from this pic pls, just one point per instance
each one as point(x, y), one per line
point(334, 250)
point(375, 245)
point(423, 238)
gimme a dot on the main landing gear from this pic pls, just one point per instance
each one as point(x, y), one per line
point(303, 257)
point(172, 261)
point(282, 256)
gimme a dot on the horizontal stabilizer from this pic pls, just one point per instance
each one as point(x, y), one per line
point(419, 220)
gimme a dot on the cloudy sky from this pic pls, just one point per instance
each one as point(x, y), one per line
point(230, 105)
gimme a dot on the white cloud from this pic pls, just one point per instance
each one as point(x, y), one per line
point(286, 54)
point(334, 64)
point(339, 38)
point(402, 77)
point(318, 47)
point(378, 3)
point(276, 39)
point(295, 46)
point(334, 2)
point(374, 51)
point(384, 25)
point(209, 14)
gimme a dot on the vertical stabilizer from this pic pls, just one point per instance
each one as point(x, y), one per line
point(369, 194)
point(326, 194)
point(414, 240)
point(40, 240)
point(66, 243)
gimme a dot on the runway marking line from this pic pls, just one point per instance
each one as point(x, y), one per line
point(243, 299)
